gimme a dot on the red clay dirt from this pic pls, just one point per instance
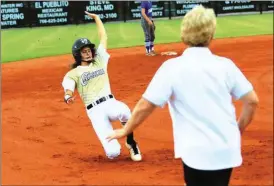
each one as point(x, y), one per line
point(46, 142)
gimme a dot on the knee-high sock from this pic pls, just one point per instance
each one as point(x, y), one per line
point(151, 46)
point(147, 45)
point(130, 137)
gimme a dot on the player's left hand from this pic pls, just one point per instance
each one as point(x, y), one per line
point(118, 133)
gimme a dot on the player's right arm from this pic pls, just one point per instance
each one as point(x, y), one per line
point(69, 87)
point(101, 29)
point(69, 98)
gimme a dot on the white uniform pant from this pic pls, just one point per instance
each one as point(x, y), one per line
point(101, 116)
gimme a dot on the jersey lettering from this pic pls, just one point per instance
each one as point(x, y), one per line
point(86, 76)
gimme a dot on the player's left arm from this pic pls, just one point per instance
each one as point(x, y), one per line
point(101, 29)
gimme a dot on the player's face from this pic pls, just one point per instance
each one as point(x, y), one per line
point(86, 54)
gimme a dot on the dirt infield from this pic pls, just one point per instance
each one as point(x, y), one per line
point(45, 142)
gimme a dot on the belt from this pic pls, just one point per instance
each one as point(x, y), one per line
point(98, 101)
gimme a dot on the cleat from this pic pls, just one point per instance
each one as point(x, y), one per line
point(153, 53)
point(134, 151)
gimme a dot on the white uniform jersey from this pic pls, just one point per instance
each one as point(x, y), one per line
point(198, 87)
point(91, 81)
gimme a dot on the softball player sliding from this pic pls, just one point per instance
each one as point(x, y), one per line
point(89, 75)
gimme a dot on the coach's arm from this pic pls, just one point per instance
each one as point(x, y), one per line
point(141, 111)
point(250, 103)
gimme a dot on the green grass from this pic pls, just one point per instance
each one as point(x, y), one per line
point(25, 43)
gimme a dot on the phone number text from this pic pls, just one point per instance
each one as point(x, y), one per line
point(52, 21)
point(104, 16)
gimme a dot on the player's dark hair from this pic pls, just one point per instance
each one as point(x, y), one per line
point(74, 65)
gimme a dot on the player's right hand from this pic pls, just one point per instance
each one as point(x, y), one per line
point(150, 23)
point(69, 99)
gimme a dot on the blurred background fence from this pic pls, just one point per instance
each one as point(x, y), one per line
point(16, 14)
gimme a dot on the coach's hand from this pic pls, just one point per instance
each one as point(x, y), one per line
point(118, 133)
point(93, 16)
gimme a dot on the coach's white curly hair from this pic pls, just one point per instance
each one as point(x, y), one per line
point(198, 26)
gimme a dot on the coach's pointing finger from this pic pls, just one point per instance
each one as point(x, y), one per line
point(119, 133)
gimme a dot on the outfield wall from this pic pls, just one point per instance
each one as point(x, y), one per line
point(17, 14)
